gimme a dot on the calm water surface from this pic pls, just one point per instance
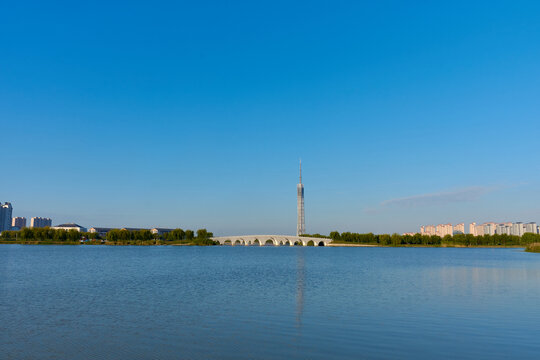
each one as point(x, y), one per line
point(98, 302)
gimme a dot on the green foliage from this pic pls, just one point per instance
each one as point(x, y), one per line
point(335, 236)
point(316, 236)
point(203, 234)
point(114, 237)
point(44, 235)
point(145, 237)
point(176, 234)
point(459, 240)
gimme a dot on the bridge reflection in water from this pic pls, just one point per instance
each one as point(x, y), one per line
point(276, 240)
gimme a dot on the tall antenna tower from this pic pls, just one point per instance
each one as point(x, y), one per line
point(300, 224)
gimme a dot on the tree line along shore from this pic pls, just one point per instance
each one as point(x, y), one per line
point(47, 235)
point(458, 240)
point(202, 237)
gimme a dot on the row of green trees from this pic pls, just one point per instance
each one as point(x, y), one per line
point(315, 236)
point(47, 235)
point(176, 236)
point(434, 240)
point(113, 237)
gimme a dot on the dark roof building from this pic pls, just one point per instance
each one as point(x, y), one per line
point(102, 231)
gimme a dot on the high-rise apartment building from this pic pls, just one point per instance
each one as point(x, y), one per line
point(39, 222)
point(459, 229)
point(445, 229)
point(490, 228)
point(472, 228)
point(6, 210)
point(428, 230)
point(18, 222)
point(504, 228)
point(479, 230)
point(518, 229)
point(531, 228)
point(300, 224)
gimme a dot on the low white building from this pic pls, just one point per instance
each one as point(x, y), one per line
point(101, 231)
point(160, 231)
point(70, 226)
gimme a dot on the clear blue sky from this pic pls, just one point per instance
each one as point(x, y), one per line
point(195, 114)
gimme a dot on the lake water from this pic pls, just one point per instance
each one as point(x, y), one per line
point(168, 302)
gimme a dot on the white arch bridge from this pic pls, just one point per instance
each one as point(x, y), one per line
point(276, 240)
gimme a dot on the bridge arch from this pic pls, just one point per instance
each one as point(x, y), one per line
point(277, 240)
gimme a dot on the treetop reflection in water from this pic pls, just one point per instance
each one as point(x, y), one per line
point(67, 302)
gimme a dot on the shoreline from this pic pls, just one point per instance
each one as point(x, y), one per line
point(329, 245)
point(431, 246)
point(354, 245)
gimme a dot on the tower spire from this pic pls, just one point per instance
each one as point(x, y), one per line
point(300, 171)
point(300, 225)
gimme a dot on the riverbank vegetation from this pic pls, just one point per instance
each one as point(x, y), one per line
point(534, 247)
point(316, 236)
point(458, 240)
point(114, 237)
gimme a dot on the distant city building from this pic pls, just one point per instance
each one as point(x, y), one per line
point(6, 211)
point(101, 231)
point(459, 229)
point(479, 230)
point(490, 228)
point(428, 230)
point(531, 228)
point(18, 222)
point(409, 234)
point(472, 228)
point(39, 222)
point(487, 228)
point(504, 228)
point(160, 231)
point(70, 226)
point(444, 229)
point(518, 229)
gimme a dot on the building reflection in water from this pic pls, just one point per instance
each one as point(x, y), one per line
point(479, 281)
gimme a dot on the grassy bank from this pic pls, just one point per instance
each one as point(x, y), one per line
point(195, 242)
point(534, 247)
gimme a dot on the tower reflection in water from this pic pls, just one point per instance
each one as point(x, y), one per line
point(300, 279)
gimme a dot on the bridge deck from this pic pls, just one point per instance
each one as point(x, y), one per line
point(277, 240)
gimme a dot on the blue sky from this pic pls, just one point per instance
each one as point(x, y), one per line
point(194, 114)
